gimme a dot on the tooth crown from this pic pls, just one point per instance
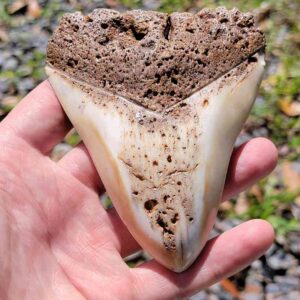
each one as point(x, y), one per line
point(154, 59)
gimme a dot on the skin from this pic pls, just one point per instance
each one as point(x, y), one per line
point(58, 242)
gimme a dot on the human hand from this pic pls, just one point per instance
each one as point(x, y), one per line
point(58, 242)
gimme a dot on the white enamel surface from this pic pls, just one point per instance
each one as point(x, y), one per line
point(223, 119)
point(105, 133)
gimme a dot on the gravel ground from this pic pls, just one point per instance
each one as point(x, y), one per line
point(276, 275)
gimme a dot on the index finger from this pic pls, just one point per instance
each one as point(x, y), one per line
point(38, 119)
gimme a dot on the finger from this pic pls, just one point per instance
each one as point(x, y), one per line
point(249, 163)
point(79, 163)
point(222, 256)
point(38, 119)
point(125, 242)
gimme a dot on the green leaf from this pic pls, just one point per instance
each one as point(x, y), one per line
point(131, 3)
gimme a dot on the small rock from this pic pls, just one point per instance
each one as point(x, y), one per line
point(281, 239)
point(217, 292)
point(272, 66)
point(199, 296)
point(25, 70)
point(151, 4)
point(288, 281)
point(252, 296)
point(281, 260)
point(296, 166)
point(284, 150)
point(97, 3)
point(282, 288)
point(27, 56)
point(260, 132)
point(3, 85)
point(4, 55)
point(215, 288)
point(294, 242)
point(10, 64)
point(259, 100)
point(294, 295)
point(242, 138)
point(271, 250)
point(225, 296)
point(213, 233)
point(26, 84)
point(253, 285)
point(59, 151)
point(257, 265)
point(294, 271)
point(236, 222)
point(227, 224)
point(17, 52)
point(213, 297)
point(272, 288)
point(1, 60)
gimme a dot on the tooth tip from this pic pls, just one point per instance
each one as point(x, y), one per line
point(182, 266)
point(179, 265)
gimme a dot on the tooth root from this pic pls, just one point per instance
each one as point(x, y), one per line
point(165, 172)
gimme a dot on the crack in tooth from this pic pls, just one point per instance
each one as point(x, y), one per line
point(167, 28)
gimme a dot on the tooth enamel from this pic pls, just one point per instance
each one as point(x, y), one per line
point(218, 116)
point(163, 159)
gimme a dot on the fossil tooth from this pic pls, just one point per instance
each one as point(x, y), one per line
point(159, 101)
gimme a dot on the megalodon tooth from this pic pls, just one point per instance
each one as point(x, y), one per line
point(159, 101)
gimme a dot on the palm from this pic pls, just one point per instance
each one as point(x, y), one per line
point(58, 242)
point(62, 238)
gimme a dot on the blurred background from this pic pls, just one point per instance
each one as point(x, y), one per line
point(25, 27)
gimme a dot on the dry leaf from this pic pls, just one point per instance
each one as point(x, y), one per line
point(263, 12)
point(111, 3)
point(230, 287)
point(242, 204)
point(295, 37)
point(253, 288)
point(34, 9)
point(291, 109)
point(256, 191)
point(16, 6)
point(291, 178)
point(225, 206)
point(9, 101)
point(3, 35)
